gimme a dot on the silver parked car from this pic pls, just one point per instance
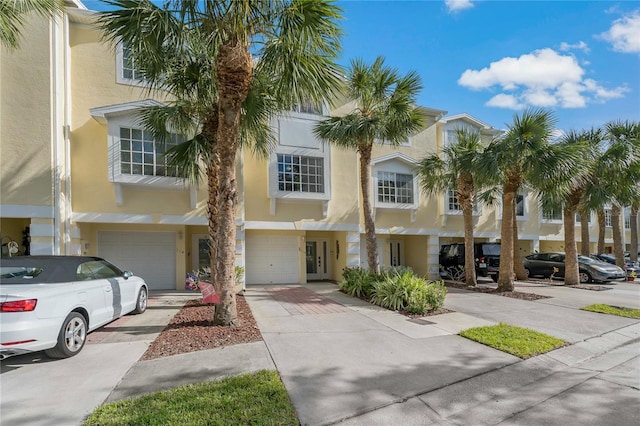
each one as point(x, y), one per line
point(543, 264)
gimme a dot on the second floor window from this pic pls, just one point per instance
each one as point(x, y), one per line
point(307, 107)
point(141, 155)
point(608, 220)
point(519, 205)
point(129, 70)
point(395, 188)
point(454, 206)
point(552, 215)
point(300, 173)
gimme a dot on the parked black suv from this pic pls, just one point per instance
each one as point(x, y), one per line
point(487, 259)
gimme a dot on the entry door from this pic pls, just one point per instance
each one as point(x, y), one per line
point(317, 258)
point(200, 257)
point(396, 253)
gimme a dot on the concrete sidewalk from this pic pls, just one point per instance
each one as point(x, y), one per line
point(370, 366)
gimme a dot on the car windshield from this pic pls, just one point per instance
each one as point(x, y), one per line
point(585, 259)
point(491, 249)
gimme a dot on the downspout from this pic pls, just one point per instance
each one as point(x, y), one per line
point(55, 135)
point(67, 133)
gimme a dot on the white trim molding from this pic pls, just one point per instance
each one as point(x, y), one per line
point(26, 211)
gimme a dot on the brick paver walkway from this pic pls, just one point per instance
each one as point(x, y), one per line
point(302, 301)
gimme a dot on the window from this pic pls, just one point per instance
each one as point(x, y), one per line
point(299, 173)
point(97, 269)
point(627, 218)
point(578, 218)
point(553, 215)
point(451, 137)
point(608, 220)
point(520, 205)
point(454, 206)
point(126, 70)
point(141, 155)
point(395, 188)
point(307, 107)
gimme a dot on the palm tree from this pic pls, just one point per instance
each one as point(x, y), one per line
point(620, 172)
point(456, 168)
point(14, 14)
point(579, 150)
point(384, 112)
point(297, 42)
point(522, 155)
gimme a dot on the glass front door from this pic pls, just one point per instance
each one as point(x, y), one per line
point(316, 259)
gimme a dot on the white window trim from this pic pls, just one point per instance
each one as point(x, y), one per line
point(552, 221)
point(397, 206)
point(525, 199)
point(589, 222)
point(120, 79)
point(610, 225)
point(477, 206)
point(125, 115)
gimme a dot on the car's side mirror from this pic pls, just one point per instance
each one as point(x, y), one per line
point(127, 274)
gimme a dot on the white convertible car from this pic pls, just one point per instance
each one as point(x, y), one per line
point(51, 302)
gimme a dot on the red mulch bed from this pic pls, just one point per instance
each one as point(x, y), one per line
point(191, 330)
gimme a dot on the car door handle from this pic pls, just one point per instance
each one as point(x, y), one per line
point(107, 289)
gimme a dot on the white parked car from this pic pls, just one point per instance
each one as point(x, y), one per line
point(51, 302)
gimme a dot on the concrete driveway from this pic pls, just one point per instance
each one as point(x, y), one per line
point(36, 390)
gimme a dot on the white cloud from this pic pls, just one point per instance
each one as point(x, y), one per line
point(542, 78)
point(581, 45)
point(624, 33)
point(457, 5)
point(505, 101)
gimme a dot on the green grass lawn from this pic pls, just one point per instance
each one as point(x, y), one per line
point(614, 310)
point(249, 399)
point(521, 342)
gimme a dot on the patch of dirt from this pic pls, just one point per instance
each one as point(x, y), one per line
point(427, 314)
point(191, 330)
point(490, 290)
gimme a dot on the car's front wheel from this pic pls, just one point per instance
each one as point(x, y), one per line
point(71, 337)
point(585, 277)
point(141, 302)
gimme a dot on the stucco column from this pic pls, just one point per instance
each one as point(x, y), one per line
point(353, 249)
point(240, 257)
point(42, 233)
point(433, 257)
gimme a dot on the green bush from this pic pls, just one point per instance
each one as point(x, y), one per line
point(357, 282)
point(410, 292)
point(392, 292)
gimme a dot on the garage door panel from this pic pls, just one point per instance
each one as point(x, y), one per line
point(272, 259)
point(150, 255)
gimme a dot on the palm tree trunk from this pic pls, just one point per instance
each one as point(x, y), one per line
point(234, 72)
point(571, 273)
point(601, 230)
point(634, 232)
point(505, 280)
point(465, 195)
point(369, 224)
point(518, 262)
point(618, 249)
point(584, 232)
point(210, 130)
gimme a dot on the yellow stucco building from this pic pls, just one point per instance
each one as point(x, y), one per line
point(79, 175)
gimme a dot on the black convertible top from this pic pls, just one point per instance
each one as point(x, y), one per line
point(44, 269)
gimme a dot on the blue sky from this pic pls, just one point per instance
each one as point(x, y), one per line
point(491, 59)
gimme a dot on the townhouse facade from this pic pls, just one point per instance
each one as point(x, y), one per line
point(80, 176)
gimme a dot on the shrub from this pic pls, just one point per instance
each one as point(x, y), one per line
point(357, 282)
point(436, 292)
point(392, 292)
point(395, 270)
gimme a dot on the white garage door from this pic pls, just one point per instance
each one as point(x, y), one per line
point(150, 255)
point(272, 259)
